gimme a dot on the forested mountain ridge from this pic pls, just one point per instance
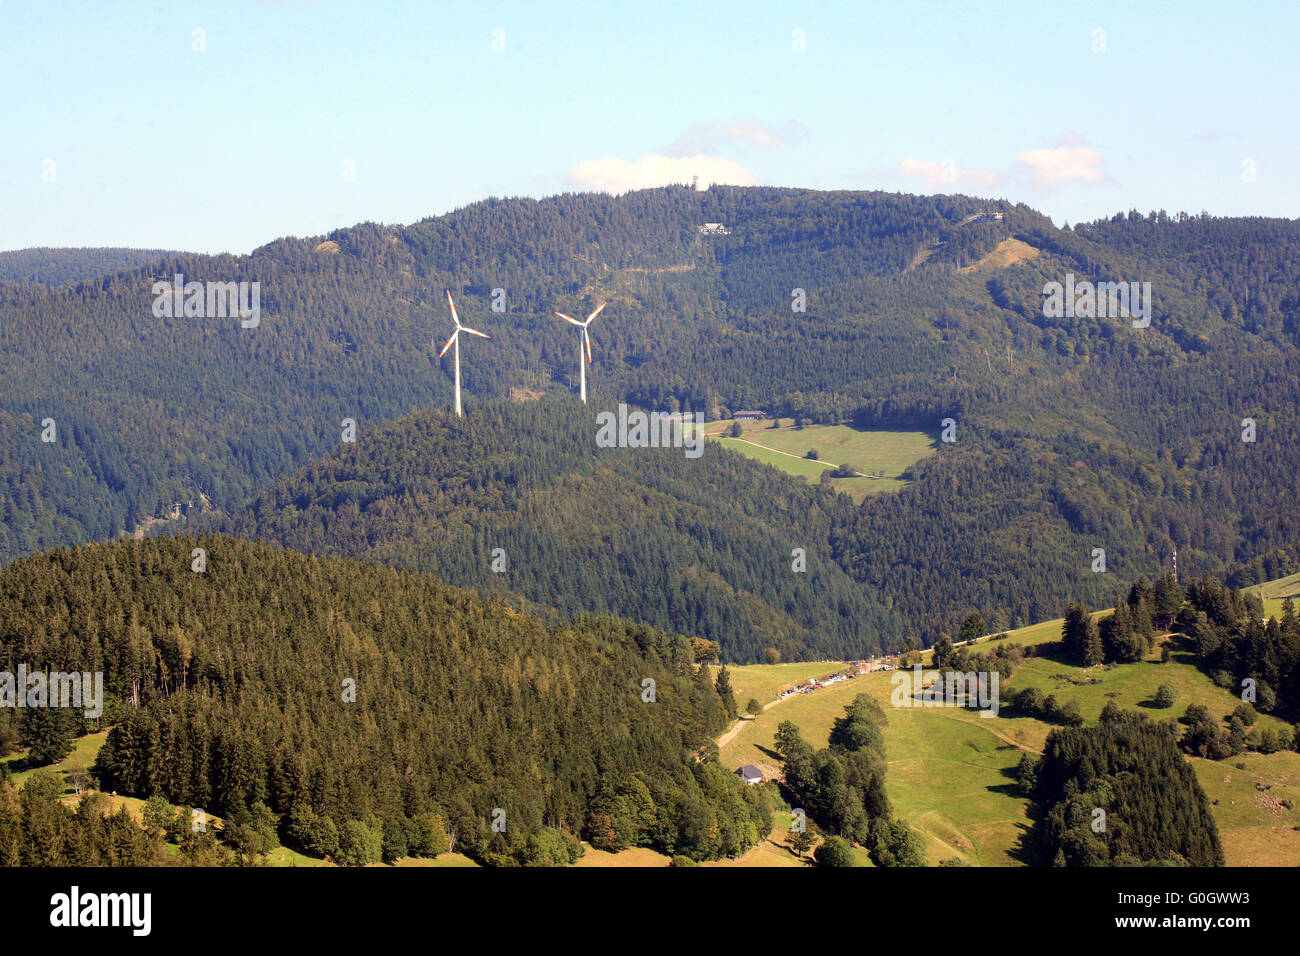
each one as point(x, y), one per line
point(361, 694)
point(520, 498)
point(1072, 433)
point(54, 267)
point(156, 411)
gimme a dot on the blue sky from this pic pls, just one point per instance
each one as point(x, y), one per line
point(299, 116)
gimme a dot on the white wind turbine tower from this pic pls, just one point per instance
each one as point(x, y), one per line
point(584, 343)
point(455, 340)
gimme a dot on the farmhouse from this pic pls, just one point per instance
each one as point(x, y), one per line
point(749, 416)
point(714, 229)
point(749, 773)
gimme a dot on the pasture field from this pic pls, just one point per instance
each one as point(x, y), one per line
point(1246, 796)
point(1132, 686)
point(1009, 252)
point(84, 752)
point(442, 860)
point(799, 467)
point(952, 772)
point(880, 455)
point(1275, 592)
point(765, 681)
point(637, 856)
point(949, 771)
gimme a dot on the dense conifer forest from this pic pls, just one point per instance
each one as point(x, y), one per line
point(1121, 794)
point(328, 695)
point(691, 546)
point(54, 267)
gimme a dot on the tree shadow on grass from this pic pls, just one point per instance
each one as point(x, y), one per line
point(1054, 651)
point(1022, 850)
point(1006, 789)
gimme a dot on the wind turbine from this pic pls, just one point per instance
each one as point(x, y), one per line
point(455, 340)
point(583, 343)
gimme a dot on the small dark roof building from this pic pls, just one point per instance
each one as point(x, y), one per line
point(749, 773)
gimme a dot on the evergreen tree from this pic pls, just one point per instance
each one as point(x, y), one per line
point(725, 693)
point(1168, 599)
point(1074, 632)
point(972, 627)
point(50, 734)
point(1092, 649)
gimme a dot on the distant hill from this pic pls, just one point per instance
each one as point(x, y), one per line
point(1072, 433)
point(55, 267)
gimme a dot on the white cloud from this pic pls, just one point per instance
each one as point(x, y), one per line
point(707, 137)
point(943, 177)
point(1063, 164)
point(613, 175)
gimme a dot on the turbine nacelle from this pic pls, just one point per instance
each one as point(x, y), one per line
point(586, 339)
point(459, 328)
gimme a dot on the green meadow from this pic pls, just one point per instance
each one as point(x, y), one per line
point(880, 455)
point(764, 681)
point(952, 772)
point(1273, 593)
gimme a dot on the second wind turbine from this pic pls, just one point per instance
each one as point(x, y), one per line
point(455, 340)
point(584, 344)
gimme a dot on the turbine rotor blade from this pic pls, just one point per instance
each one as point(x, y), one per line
point(586, 340)
point(448, 345)
point(466, 328)
point(569, 318)
point(454, 317)
point(597, 312)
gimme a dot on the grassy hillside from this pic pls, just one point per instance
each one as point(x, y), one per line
point(880, 455)
point(764, 681)
point(1274, 592)
point(83, 755)
point(1246, 795)
point(952, 773)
